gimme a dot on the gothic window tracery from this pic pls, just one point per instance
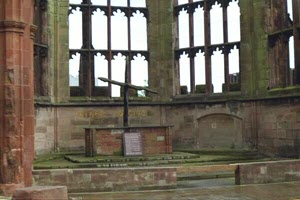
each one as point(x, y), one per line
point(208, 45)
point(284, 43)
point(40, 48)
point(102, 33)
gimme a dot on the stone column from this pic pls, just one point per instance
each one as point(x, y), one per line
point(163, 74)
point(16, 94)
point(254, 48)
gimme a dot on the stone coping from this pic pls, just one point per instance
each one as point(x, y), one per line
point(107, 180)
point(103, 169)
point(41, 193)
point(267, 162)
point(122, 127)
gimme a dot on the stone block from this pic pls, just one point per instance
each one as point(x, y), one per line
point(41, 192)
point(268, 172)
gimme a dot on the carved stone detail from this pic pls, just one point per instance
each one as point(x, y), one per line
point(33, 29)
point(12, 26)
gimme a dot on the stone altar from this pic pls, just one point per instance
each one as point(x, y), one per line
point(109, 140)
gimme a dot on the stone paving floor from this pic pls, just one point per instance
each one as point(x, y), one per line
point(279, 191)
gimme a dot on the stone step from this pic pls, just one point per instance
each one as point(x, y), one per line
point(175, 159)
point(121, 159)
point(205, 172)
point(206, 183)
point(228, 152)
point(152, 162)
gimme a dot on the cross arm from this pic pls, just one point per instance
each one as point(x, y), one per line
point(127, 84)
point(141, 88)
point(112, 81)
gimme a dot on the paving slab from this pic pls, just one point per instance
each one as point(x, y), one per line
point(276, 191)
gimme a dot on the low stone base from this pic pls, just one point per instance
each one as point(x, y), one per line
point(268, 172)
point(107, 180)
point(8, 189)
point(41, 192)
point(109, 140)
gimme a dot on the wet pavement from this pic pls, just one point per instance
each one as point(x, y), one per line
point(278, 191)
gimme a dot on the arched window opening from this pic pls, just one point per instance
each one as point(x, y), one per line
point(208, 49)
point(41, 84)
point(97, 49)
point(284, 43)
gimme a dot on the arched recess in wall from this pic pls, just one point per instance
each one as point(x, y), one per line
point(219, 131)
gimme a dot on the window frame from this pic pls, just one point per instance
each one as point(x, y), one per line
point(278, 38)
point(207, 48)
point(86, 78)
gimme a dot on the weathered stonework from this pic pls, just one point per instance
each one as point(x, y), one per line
point(16, 99)
point(38, 192)
point(267, 172)
point(104, 180)
point(255, 117)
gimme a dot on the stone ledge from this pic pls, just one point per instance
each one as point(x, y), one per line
point(41, 192)
point(8, 189)
point(268, 172)
point(106, 180)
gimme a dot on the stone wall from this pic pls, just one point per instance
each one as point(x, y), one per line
point(45, 137)
point(110, 141)
point(256, 117)
point(207, 126)
point(60, 128)
point(268, 172)
point(278, 127)
point(101, 180)
point(271, 125)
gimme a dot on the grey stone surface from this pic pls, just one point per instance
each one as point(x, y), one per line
point(282, 191)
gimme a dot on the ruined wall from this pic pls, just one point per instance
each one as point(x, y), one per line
point(278, 127)
point(272, 126)
point(255, 117)
point(44, 132)
point(61, 128)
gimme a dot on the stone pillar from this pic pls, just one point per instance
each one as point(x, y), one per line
point(254, 48)
point(58, 45)
point(16, 94)
point(163, 74)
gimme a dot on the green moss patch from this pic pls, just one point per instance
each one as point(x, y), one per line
point(188, 158)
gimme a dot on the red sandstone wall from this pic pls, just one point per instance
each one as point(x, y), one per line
point(155, 140)
point(16, 94)
point(268, 172)
point(99, 180)
point(272, 126)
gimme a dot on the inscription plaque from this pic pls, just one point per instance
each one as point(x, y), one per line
point(132, 144)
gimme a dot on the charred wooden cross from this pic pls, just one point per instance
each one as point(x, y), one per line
point(125, 86)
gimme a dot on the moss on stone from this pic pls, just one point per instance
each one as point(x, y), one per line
point(201, 157)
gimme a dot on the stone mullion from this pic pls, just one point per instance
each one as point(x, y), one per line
point(207, 54)
point(129, 40)
point(191, 44)
point(176, 45)
point(296, 33)
point(86, 80)
point(109, 57)
point(226, 51)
